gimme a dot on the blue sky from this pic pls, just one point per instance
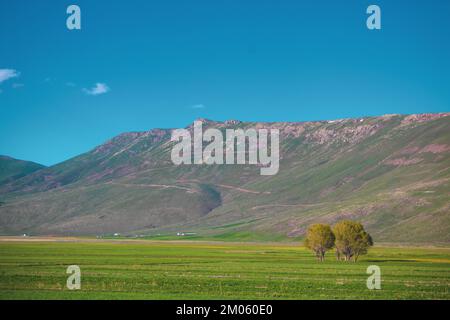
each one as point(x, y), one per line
point(165, 63)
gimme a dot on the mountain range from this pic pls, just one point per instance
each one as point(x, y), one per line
point(390, 172)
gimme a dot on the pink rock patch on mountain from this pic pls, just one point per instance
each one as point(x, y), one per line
point(435, 148)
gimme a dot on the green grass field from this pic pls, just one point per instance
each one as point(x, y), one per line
point(207, 270)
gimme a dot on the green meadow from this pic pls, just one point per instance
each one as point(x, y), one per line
point(214, 270)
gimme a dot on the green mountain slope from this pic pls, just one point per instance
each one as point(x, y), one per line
point(12, 169)
point(392, 173)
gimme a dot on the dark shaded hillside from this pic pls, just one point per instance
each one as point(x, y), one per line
point(390, 172)
point(12, 169)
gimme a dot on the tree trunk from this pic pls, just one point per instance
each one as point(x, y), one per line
point(338, 256)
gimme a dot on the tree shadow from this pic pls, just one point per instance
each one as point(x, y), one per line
point(390, 260)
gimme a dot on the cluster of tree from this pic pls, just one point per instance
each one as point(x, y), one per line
point(348, 238)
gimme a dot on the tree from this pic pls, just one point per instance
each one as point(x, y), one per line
point(320, 239)
point(351, 240)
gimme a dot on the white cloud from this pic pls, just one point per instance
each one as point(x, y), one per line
point(6, 74)
point(17, 85)
point(99, 88)
point(198, 106)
